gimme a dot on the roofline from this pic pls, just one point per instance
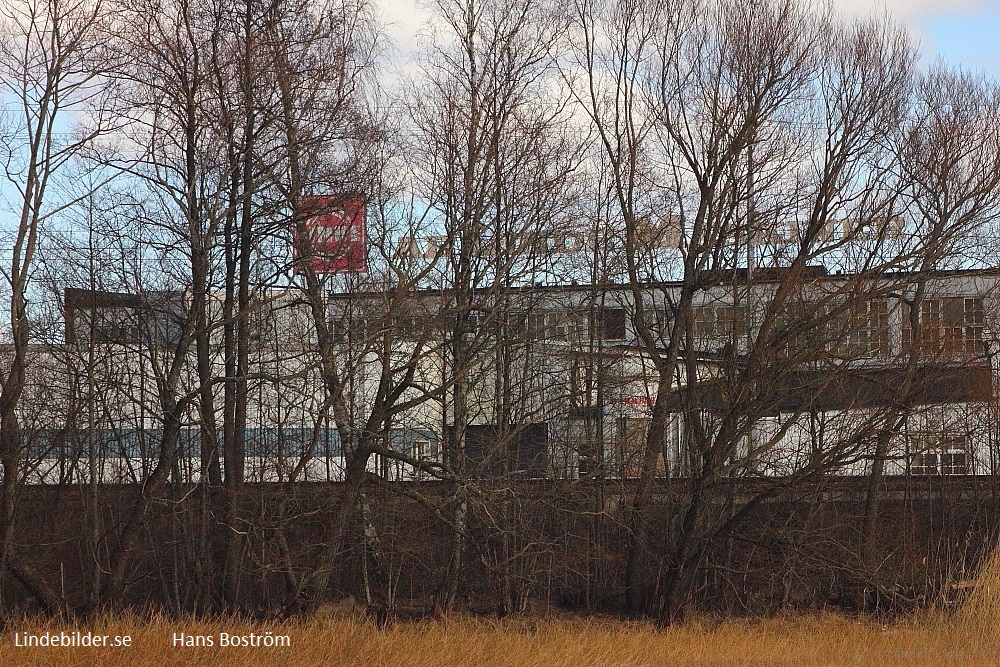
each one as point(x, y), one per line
point(675, 284)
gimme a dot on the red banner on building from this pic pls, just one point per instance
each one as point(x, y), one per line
point(335, 226)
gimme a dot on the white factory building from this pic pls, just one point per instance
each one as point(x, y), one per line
point(772, 372)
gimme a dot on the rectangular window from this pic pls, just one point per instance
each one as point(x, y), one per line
point(569, 326)
point(951, 326)
point(611, 323)
point(975, 320)
point(419, 449)
point(356, 327)
point(869, 331)
point(925, 463)
point(537, 324)
point(116, 325)
point(730, 320)
point(704, 322)
point(937, 456)
point(560, 325)
point(719, 321)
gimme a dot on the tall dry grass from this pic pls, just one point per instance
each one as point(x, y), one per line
point(981, 609)
point(825, 640)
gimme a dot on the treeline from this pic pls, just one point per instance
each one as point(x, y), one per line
point(797, 553)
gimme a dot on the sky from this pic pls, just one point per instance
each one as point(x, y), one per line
point(961, 32)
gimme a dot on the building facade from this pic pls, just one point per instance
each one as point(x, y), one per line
point(767, 374)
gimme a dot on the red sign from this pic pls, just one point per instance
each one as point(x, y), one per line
point(637, 400)
point(335, 226)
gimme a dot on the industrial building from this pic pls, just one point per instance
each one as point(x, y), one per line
point(775, 373)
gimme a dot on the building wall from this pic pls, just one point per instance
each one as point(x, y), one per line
point(564, 357)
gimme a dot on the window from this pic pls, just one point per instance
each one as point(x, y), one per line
point(537, 324)
point(869, 329)
point(950, 326)
point(938, 457)
point(610, 323)
point(568, 326)
point(355, 327)
point(719, 321)
point(419, 449)
point(807, 330)
point(564, 325)
point(112, 325)
point(582, 387)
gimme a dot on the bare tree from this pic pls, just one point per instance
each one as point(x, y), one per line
point(768, 229)
point(748, 153)
point(52, 65)
point(947, 154)
point(495, 155)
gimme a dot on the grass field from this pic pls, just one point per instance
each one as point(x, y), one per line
point(825, 640)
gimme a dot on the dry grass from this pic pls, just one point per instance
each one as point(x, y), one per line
point(825, 640)
point(981, 610)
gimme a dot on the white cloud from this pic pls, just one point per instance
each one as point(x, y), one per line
point(936, 26)
point(406, 22)
point(908, 11)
